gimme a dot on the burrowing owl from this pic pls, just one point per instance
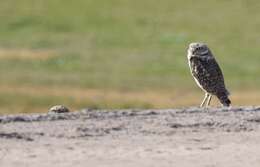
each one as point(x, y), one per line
point(207, 73)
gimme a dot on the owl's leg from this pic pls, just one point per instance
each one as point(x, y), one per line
point(209, 100)
point(204, 100)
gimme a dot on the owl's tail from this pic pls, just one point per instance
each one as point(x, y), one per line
point(223, 98)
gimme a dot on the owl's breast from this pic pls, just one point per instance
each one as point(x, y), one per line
point(196, 71)
point(207, 74)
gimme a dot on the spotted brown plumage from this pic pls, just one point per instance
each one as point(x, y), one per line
point(207, 73)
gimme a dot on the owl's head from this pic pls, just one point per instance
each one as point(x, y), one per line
point(198, 49)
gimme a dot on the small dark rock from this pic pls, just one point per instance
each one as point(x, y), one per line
point(176, 125)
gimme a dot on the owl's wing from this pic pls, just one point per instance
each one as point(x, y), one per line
point(208, 73)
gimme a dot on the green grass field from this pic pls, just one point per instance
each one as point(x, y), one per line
point(87, 53)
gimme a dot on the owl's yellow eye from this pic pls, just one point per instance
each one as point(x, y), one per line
point(199, 48)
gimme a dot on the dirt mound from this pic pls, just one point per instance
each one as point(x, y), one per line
point(180, 137)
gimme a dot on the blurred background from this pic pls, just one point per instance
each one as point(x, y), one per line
point(122, 53)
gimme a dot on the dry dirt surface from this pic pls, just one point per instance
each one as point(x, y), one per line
point(190, 137)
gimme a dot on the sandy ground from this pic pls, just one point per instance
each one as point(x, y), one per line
point(176, 137)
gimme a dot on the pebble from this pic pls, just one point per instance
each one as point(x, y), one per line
point(59, 109)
